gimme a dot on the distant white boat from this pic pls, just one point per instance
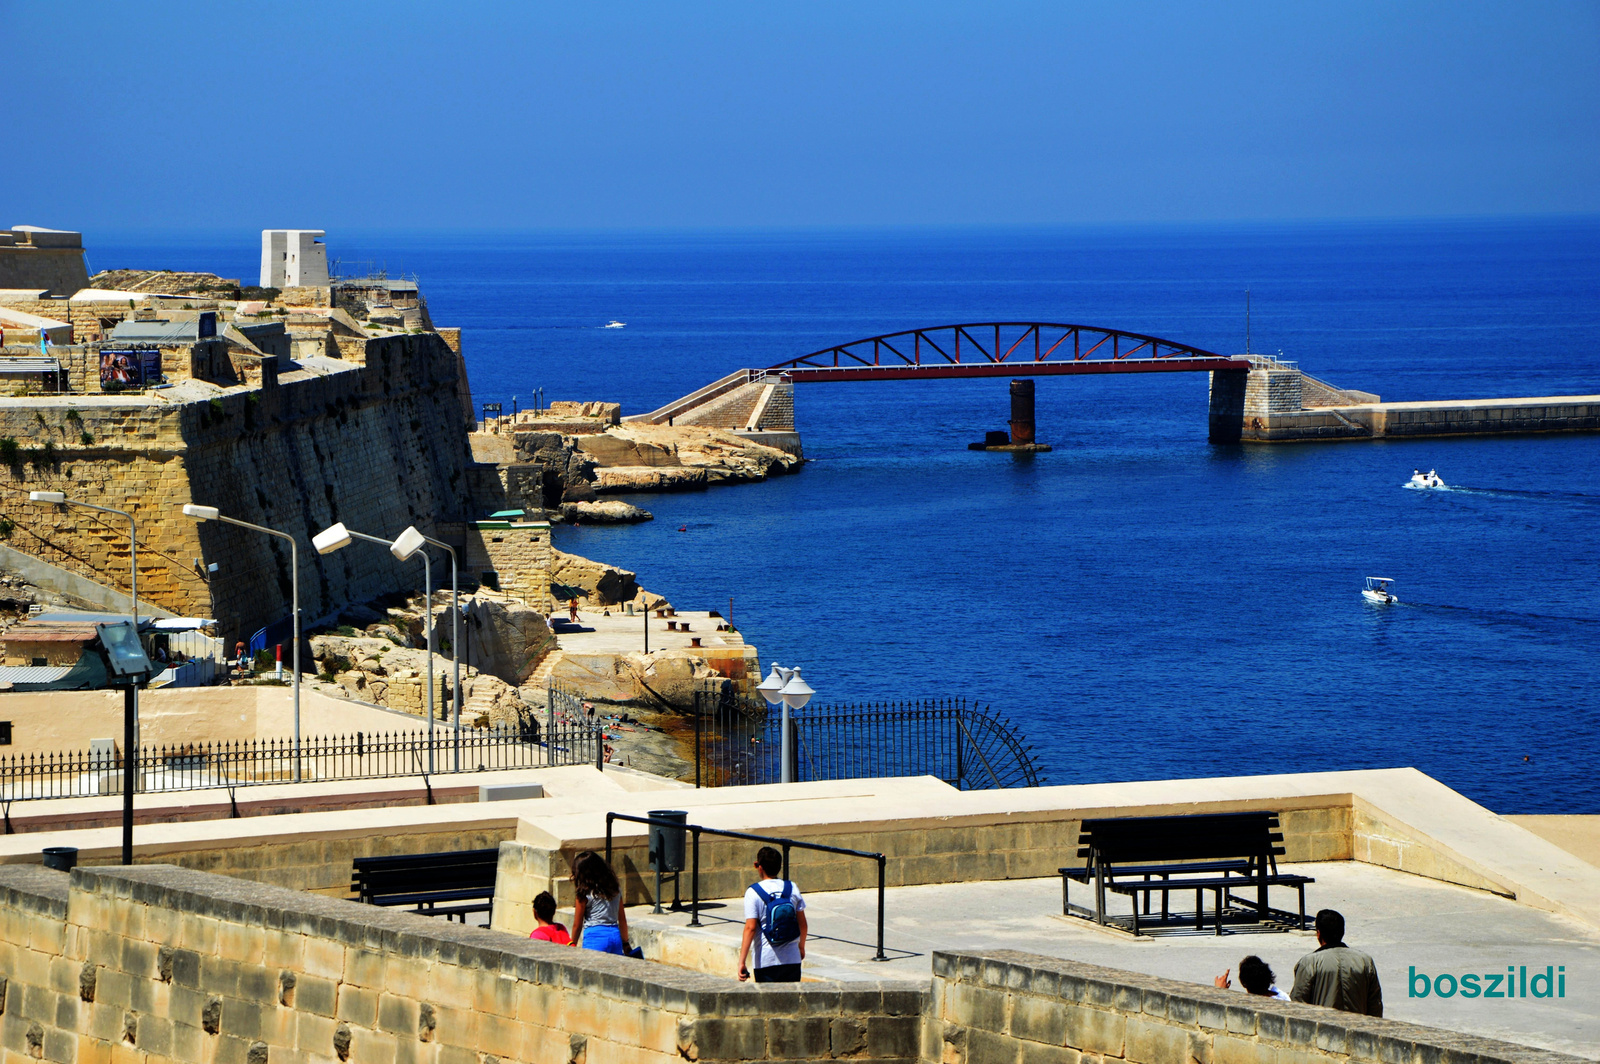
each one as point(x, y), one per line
point(614, 324)
point(1430, 479)
point(1377, 591)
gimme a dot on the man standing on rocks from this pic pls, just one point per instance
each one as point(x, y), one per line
point(1336, 976)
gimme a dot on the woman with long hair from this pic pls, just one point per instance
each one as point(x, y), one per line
point(599, 921)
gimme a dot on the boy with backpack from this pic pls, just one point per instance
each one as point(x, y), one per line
point(775, 921)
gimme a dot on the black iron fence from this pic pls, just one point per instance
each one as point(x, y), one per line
point(200, 766)
point(966, 745)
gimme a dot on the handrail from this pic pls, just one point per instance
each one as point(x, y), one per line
point(696, 830)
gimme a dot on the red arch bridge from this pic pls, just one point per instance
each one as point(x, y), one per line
point(1001, 349)
point(762, 400)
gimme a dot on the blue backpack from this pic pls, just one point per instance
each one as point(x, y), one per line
point(782, 923)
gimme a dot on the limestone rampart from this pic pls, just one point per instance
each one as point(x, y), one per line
point(1003, 1005)
point(164, 964)
point(380, 446)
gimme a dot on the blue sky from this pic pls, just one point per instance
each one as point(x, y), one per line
point(597, 115)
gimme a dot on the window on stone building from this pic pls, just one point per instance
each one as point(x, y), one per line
point(491, 580)
point(41, 662)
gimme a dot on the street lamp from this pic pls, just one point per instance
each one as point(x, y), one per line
point(403, 547)
point(785, 686)
point(455, 637)
point(209, 513)
point(130, 697)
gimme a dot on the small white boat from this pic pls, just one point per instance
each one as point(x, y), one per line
point(1430, 479)
point(614, 324)
point(1377, 590)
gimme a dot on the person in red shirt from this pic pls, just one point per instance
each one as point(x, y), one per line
point(544, 911)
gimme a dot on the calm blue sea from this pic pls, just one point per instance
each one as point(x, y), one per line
point(1141, 603)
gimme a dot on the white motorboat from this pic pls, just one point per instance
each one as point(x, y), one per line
point(614, 324)
point(1430, 479)
point(1377, 591)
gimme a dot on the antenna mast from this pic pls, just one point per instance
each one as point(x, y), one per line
point(1247, 321)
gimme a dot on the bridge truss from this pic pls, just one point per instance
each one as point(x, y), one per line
point(1001, 349)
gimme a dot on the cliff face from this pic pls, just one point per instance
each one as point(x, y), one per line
point(378, 441)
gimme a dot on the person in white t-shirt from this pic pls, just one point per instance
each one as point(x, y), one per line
point(780, 963)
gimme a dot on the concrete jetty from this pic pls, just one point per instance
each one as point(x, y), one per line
point(1276, 402)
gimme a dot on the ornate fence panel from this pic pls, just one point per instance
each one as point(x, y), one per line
point(967, 746)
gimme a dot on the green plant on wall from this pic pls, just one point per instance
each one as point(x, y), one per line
point(74, 417)
point(7, 526)
point(10, 453)
point(86, 438)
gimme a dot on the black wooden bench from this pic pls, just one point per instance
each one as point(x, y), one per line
point(433, 884)
point(1207, 853)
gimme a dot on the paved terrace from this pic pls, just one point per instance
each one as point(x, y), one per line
point(1402, 920)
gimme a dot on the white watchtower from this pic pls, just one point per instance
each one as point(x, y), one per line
point(293, 258)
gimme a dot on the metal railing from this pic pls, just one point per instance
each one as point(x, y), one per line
point(696, 830)
point(255, 762)
point(967, 746)
point(567, 708)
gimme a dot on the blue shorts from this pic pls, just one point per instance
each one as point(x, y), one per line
point(607, 938)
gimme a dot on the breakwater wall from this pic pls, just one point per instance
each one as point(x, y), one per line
point(1276, 403)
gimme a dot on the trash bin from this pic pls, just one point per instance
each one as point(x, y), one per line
point(62, 858)
point(666, 843)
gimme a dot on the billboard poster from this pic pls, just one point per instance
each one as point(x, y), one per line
point(129, 369)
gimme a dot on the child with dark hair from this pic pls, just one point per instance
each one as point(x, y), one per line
point(599, 921)
point(544, 911)
point(1255, 975)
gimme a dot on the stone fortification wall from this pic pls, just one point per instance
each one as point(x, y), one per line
point(163, 964)
point(379, 447)
point(1002, 1005)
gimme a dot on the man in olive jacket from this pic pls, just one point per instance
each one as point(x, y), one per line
point(1336, 976)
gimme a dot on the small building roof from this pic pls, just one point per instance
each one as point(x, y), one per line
point(34, 631)
point(23, 319)
point(163, 331)
point(33, 673)
point(22, 367)
point(106, 295)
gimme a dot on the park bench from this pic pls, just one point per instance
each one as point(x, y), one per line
point(1212, 853)
point(433, 884)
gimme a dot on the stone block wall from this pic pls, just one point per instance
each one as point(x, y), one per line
point(163, 964)
point(518, 554)
point(1272, 391)
point(380, 448)
point(1005, 1007)
point(727, 411)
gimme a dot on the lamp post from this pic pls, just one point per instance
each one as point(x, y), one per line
point(785, 686)
point(455, 639)
point(209, 513)
point(403, 547)
point(130, 697)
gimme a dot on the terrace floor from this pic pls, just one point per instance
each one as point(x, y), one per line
point(1404, 921)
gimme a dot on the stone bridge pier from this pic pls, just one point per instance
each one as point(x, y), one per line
point(1271, 400)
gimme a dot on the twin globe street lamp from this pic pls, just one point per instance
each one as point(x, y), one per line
point(404, 546)
point(786, 686)
point(210, 513)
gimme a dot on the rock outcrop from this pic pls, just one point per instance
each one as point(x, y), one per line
point(607, 585)
point(604, 512)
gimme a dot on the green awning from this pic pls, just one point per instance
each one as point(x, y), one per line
point(565, 594)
